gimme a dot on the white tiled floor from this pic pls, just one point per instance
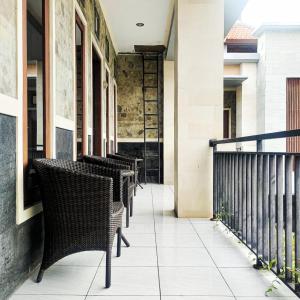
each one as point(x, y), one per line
point(169, 259)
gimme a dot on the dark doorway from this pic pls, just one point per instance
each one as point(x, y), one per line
point(97, 107)
point(80, 87)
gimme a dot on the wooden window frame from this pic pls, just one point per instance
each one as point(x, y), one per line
point(82, 26)
point(292, 117)
point(115, 114)
point(47, 126)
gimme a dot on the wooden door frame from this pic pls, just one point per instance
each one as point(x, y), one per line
point(96, 50)
point(47, 124)
point(81, 24)
point(107, 98)
point(115, 87)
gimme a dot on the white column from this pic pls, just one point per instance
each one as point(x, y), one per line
point(198, 102)
point(169, 122)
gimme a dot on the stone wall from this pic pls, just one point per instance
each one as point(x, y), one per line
point(65, 50)
point(20, 246)
point(64, 144)
point(130, 96)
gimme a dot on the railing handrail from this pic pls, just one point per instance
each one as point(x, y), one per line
point(257, 137)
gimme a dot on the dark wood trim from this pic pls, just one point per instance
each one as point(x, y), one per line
point(47, 100)
point(107, 112)
point(25, 104)
point(97, 144)
point(79, 22)
point(241, 42)
point(47, 132)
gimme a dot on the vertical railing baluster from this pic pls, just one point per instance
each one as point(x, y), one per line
point(254, 202)
point(229, 189)
point(248, 199)
point(244, 198)
point(272, 206)
point(236, 192)
point(279, 188)
point(226, 189)
point(259, 205)
point(288, 217)
point(265, 207)
point(215, 182)
point(297, 223)
point(232, 191)
point(223, 188)
point(241, 195)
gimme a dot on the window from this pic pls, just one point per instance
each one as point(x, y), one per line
point(107, 48)
point(226, 124)
point(36, 121)
point(96, 22)
point(293, 112)
point(242, 48)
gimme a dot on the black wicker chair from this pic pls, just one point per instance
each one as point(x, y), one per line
point(79, 211)
point(128, 186)
point(133, 165)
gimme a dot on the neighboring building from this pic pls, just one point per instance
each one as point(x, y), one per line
point(262, 82)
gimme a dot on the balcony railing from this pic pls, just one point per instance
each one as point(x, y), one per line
point(257, 196)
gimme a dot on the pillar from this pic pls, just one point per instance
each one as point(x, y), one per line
point(198, 102)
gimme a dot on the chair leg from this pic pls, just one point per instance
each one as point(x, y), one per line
point(131, 206)
point(108, 269)
point(127, 214)
point(40, 275)
point(119, 237)
point(125, 240)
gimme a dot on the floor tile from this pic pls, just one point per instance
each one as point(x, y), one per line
point(139, 240)
point(139, 228)
point(192, 281)
point(220, 240)
point(135, 257)
point(196, 298)
point(267, 298)
point(142, 297)
point(127, 281)
point(61, 280)
point(46, 297)
point(232, 257)
point(174, 228)
point(184, 257)
point(178, 240)
point(252, 283)
point(84, 259)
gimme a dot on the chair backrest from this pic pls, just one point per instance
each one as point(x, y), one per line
point(75, 197)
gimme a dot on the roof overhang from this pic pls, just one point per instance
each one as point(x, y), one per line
point(232, 11)
point(275, 27)
point(231, 81)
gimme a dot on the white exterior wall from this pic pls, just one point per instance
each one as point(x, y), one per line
point(246, 105)
point(169, 122)
point(280, 59)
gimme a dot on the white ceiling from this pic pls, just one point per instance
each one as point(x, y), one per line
point(122, 16)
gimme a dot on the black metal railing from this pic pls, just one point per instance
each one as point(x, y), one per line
point(257, 196)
